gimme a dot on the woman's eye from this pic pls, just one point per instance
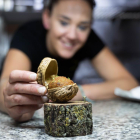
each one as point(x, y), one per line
point(63, 23)
point(83, 27)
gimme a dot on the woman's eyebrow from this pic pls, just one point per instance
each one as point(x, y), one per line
point(67, 18)
point(64, 17)
point(86, 22)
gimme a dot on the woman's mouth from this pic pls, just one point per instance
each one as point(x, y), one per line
point(68, 45)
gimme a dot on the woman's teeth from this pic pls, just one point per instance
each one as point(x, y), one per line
point(68, 45)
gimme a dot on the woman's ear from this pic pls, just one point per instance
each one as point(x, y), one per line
point(46, 19)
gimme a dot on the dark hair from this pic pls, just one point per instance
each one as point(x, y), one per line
point(50, 4)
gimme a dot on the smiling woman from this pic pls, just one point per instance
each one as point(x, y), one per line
point(64, 34)
point(69, 24)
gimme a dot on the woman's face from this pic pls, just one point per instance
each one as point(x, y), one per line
point(69, 27)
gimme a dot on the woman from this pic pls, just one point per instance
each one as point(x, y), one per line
point(65, 35)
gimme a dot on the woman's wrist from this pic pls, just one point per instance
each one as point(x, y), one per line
point(81, 91)
point(84, 97)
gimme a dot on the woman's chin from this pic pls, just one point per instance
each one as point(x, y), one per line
point(66, 55)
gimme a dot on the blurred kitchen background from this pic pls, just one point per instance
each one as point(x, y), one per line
point(116, 22)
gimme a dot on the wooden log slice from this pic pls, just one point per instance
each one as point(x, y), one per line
point(68, 119)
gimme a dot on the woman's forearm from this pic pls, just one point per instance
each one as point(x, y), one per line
point(105, 90)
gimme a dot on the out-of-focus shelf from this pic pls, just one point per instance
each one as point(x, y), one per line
point(117, 12)
point(20, 17)
point(19, 11)
point(27, 11)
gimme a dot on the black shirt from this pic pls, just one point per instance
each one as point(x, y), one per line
point(31, 37)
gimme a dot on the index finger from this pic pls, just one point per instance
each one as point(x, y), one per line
point(22, 76)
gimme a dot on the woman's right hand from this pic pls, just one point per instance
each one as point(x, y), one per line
point(23, 96)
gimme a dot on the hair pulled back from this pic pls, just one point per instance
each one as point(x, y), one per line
point(51, 3)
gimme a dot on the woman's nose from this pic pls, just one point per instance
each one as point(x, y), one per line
point(72, 33)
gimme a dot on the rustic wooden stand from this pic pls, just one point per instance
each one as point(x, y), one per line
point(68, 119)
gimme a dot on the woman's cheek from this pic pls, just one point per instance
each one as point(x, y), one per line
point(82, 37)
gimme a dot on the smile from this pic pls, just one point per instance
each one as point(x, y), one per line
point(68, 45)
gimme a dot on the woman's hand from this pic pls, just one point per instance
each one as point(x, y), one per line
point(23, 96)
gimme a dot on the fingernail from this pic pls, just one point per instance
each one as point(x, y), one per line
point(33, 76)
point(42, 90)
point(45, 99)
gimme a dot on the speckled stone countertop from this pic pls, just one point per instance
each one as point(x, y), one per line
point(112, 120)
